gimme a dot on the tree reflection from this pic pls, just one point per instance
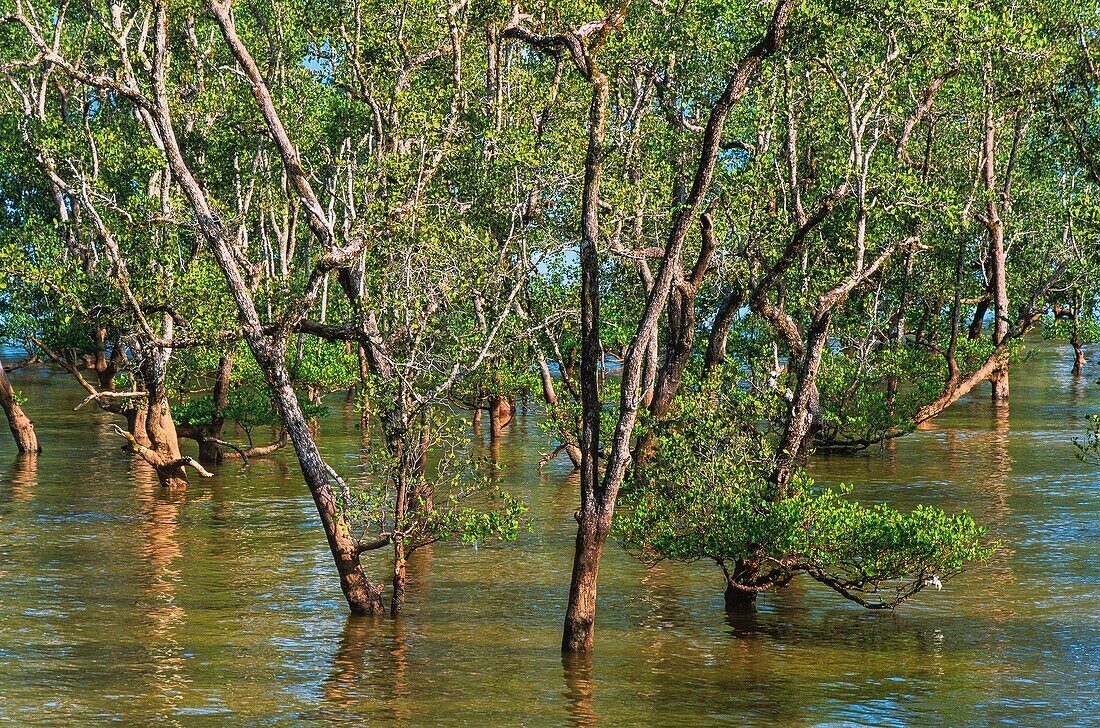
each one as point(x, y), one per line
point(580, 689)
point(369, 675)
point(24, 476)
point(349, 666)
point(159, 549)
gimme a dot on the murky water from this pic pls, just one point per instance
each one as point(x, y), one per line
point(121, 602)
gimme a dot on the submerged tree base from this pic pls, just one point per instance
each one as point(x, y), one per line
point(739, 601)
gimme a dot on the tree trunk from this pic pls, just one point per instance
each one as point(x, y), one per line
point(999, 380)
point(720, 330)
point(22, 428)
point(997, 257)
point(269, 351)
point(408, 461)
point(364, 382)
point(162, 436)
point(899, 328)
point(209, 451)
point(1075, 336)
point(1078, 359)
point(221, 402)
point(999, 376)
point(804, 414)
point(500, 414)
point(566, 428)
point(959, 389)
point(741, 600)
point(106, 367)
point(975, 329)
point(598, 498)
point(135, 424)
point(580, 615)
point(207, 434)
point(400, 575)
point(163, 451)
point(679, 341)
point(363, 597)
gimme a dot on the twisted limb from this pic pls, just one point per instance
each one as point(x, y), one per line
point(163, 466)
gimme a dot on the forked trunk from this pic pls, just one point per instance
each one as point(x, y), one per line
point(162, 451)
point(362, 596)
point(598, 499)
point(161, 431)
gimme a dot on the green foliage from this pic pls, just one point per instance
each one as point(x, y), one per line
point(1088, 451)
point(707, 493)
point(467, 502)
point(855, 387)
point(1062, 329)
point(456, 156)
point(324, 365)
point(503, 376)
point(248, 400)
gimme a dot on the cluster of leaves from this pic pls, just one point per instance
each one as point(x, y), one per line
point(1063, 329)
point(248, 400)
point(324, 365)
point(706, 494)
point(855, 389)
point(508, 376)
point(468, 502)
point(1088, 451)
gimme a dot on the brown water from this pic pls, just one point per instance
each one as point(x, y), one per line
point(121, 602)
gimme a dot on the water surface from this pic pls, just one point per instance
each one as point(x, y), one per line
point(122, 602)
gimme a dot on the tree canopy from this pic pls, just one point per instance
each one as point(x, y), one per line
point(707, 239)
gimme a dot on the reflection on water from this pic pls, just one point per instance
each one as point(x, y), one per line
point(372, 654)
point(120, 601)
point(349, 663)
point(579, 690)
point(23, 476)
point(159, 549)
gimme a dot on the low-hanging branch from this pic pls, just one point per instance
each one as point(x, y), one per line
point(96, 396)
point(149, 456)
